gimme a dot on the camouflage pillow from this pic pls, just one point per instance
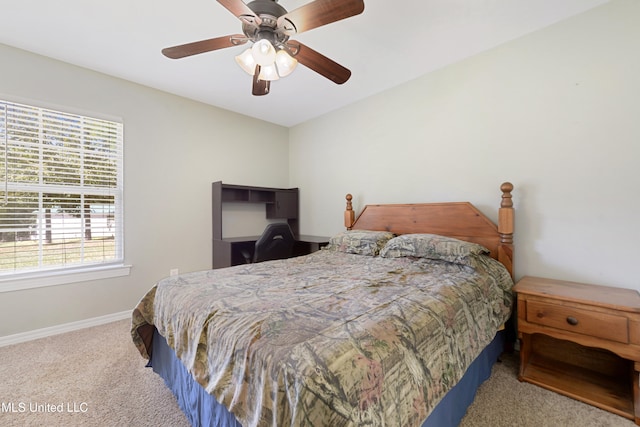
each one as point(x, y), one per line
point(362, 242)
point(433, 246)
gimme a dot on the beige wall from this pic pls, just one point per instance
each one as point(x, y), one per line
point(174, 149)
point(556, 112)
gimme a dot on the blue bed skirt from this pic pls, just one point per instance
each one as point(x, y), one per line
point(203, 410)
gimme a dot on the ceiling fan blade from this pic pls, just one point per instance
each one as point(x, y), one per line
point(241, 11)
point(203, 46)
point(319, 13)
point(319, 63)
point(260, 87)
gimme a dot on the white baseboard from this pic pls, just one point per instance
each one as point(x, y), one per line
point(60, 329)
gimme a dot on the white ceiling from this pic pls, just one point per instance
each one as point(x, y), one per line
point(390, 43)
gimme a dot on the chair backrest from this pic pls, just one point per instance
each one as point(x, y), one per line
point(276, 242)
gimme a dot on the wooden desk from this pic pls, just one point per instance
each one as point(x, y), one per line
point(228, 251)
point(307, 244)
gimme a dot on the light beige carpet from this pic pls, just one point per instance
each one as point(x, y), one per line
point(96, 377)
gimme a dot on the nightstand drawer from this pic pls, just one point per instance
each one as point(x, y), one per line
point(591, 323)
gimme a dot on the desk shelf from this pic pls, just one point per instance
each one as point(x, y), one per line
point(241, 193)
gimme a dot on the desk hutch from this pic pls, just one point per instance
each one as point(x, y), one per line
point(281, 204)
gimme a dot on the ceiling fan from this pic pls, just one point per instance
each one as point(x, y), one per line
point(269, 26)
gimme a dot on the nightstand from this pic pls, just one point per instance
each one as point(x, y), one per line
point(582, 341)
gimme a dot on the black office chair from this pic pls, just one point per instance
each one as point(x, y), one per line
point(276, 242)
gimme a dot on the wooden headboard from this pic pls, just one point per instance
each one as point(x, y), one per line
point(460, 220)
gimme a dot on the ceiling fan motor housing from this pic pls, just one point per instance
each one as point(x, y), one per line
point(269, 11)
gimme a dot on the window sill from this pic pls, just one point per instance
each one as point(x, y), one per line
point(51, 278)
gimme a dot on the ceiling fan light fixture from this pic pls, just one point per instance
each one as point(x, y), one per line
point(285, 63)
point(246, 62)
point(268, 72)
point(263, 52)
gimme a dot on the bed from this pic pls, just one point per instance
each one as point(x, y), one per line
point(395, 323)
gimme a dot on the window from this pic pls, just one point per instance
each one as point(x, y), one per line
point(61, 196)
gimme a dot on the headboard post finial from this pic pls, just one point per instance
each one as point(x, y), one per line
point(349, 215)
point(506, 189)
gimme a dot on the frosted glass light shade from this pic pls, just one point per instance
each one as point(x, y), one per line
point(246, 62)
point(285, 63)
point(268, 72)
point(263, 52)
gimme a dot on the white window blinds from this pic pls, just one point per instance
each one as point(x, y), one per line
point(60, 190)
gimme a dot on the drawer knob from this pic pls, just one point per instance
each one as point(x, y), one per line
point(572, 321)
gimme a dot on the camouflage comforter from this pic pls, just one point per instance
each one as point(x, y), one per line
point(329, 339)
